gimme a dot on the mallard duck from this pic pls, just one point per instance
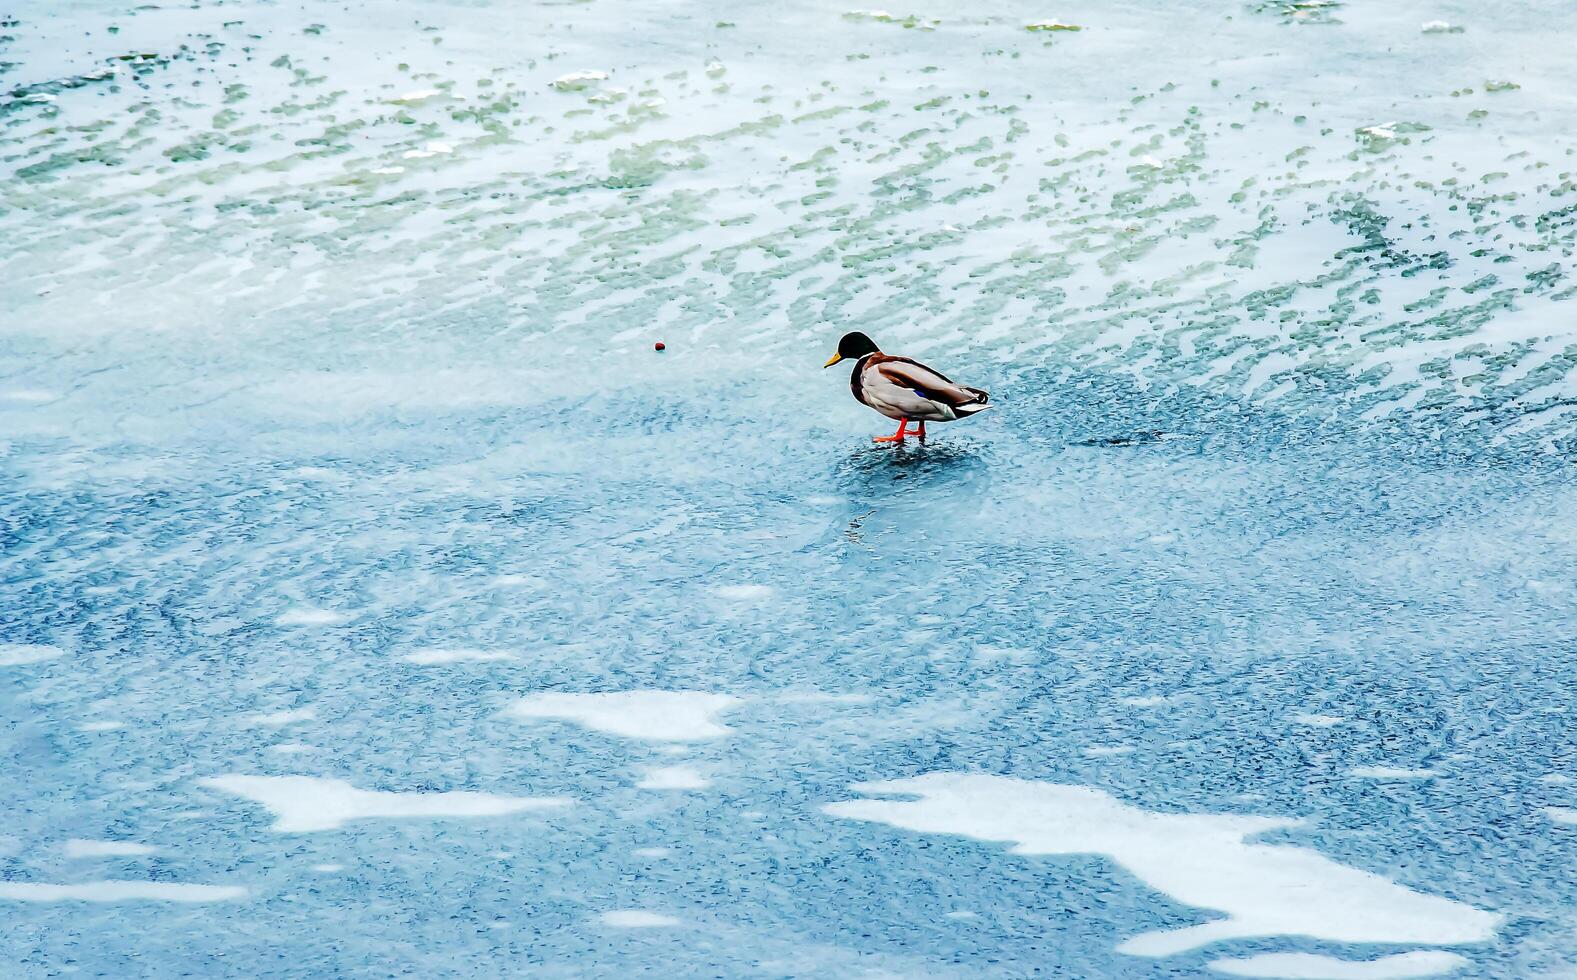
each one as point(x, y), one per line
point(904, 389)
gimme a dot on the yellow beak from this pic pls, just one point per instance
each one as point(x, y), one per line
point(835, 359)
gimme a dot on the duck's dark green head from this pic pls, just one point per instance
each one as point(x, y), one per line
point(852, 347)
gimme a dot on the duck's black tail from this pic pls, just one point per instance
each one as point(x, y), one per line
point(978, 405)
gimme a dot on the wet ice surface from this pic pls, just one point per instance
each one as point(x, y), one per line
point(375, 595)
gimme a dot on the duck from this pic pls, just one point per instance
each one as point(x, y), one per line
point(902, 388)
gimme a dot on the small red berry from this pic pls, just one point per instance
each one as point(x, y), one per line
point(661, 346)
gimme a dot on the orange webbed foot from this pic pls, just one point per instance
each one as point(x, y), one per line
point(903, 427)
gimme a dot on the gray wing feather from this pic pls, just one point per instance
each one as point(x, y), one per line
point(898, 400)
point(935, 385)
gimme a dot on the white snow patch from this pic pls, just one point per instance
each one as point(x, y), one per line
point(1312, 966)
point(117, 891)
point(1561, 814)
point(279, 719)
point(637, 919)
point(291, 748)
point(1101, 751)
point(1391, 772)
point(309, 616)
point(575, 81)
point(304, 804)
point(1317, 721)
point(432, 149)
point(652, 852)
point(989, 653)
point(30, 396)
point(508, 581)
point(1203, 860)
point(665, 716)
point(100, 726)
point(453, 655)
point(17, 654)
point(743, 593)
point(328, 869)
point(673, 777)
point(1148, 701)
point(420, 95)
point(79, 848)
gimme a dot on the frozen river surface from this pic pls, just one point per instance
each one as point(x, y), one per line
point(375, 601)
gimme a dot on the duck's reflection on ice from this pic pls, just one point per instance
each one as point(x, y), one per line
point(905, 484)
